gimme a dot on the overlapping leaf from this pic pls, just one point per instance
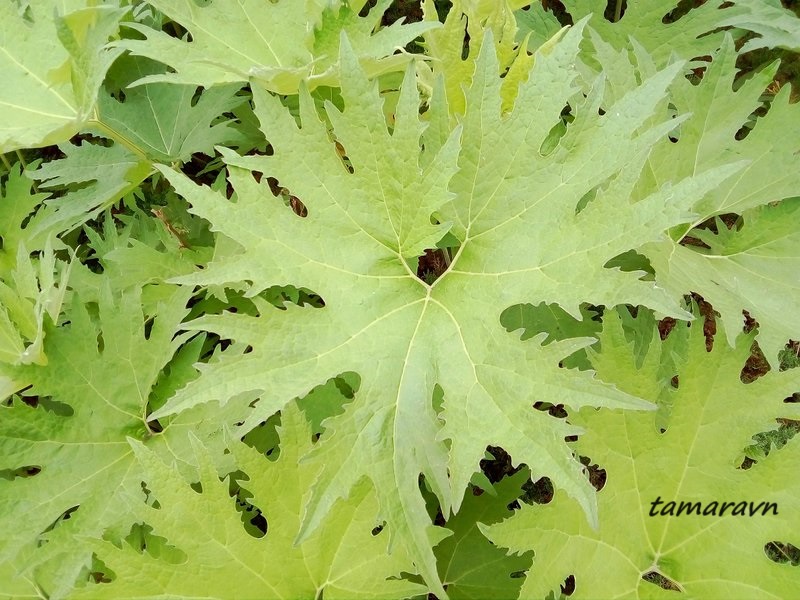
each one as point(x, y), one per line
point(344, 560)
point(696, 462)
point(279, 43)
point(71, 450)
point(756, 268)
point(156, 122)
point(53, 62)
point(401, 335)
point(776, 26)
point(465, 26)
point(653, 25)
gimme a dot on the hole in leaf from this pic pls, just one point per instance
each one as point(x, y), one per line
point(783, 553)
point(264, 437)
point(568, 587)
point(278, 296)
point(376, 530)
point(615, 10)
point(661, 581)
point(499, 465)
point(558, 130)
point(20, 472)
point(197, 487)
point(631, 262)
point(597, 475)
point(252, 517)
point(683, 7)
point(99, 572)
point(538, 492)
point(554, 410)
point(432, 265)
point(342, 154)
point(60, 409)
point(65, 516)
point(289, 199)
point(148, 328)
point(767, 441)
point(756, 365)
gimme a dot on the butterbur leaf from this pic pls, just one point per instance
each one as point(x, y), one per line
point(100, 176)
point(33, 290)
point(346, 559)
point(157, 122)
point(522, 237)
point(53, 64)
point(70, 451)
point(465, 26)
point(277, 43)
point(712, 136)
point(690, 542)
point(168, 122)
point(18, 203)
point(750, 268)
point(753, 268)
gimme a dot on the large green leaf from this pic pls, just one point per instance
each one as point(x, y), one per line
point(754, 269)
point(776, 26)
point(344, 560)
point(521, 238)
point(696, 33)
point(157, 122)
point(649, 550)
point(70, 451)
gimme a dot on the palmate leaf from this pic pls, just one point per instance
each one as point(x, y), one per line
point(344, 560)
point(157, 122)
point(166, 122)
point(756, 267)
point(53, 62)
point(696, 460)
point(70, 451)
point(527, 230)
point(278, 43)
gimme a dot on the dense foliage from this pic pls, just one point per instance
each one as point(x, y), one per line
point(481, 299)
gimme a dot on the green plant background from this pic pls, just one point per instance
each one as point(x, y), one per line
point(411, 299)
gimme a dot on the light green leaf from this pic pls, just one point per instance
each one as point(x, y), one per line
point(754, 269)
point(221, 560)
point(467, 22)
point(279, 44)
point(711, 137)
point(759, 272)
point(94, 176)
point(29, 293)
point(71, 450)
point(53, 65)
point(509, 206)
point(695, 461)
point(776, 26)
point(167, 122)
point(18, 203)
